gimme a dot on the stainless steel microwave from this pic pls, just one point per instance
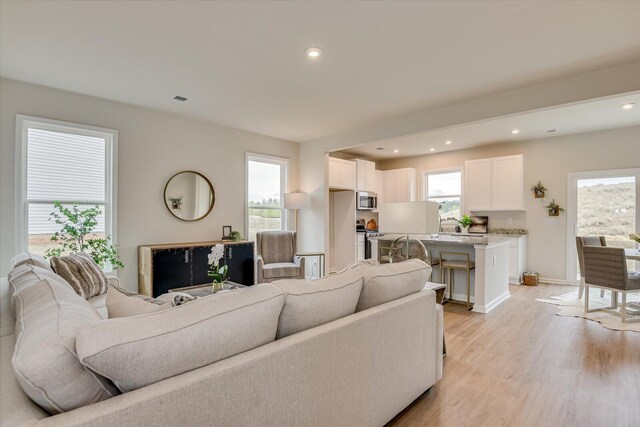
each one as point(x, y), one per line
point(366, 201)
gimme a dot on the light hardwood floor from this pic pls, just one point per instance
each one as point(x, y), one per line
point(521, 365)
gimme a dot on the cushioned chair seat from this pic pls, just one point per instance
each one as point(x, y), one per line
point(634, 280)
point(281, 269)
point(458, 264)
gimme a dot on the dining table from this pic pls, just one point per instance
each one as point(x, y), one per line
point(633, 254)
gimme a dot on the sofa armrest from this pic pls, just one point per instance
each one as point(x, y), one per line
point(113, 280)
point(299, 261)
point(259, 268)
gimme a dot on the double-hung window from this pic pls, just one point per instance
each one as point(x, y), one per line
point(67, 163)
point(266, 185)
point(444, 187)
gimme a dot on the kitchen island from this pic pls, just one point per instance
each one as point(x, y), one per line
point(490, 278)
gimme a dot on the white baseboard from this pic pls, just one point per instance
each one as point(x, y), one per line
point(553, 281)
point(493, 304)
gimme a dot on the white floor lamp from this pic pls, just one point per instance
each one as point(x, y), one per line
point(296, 201)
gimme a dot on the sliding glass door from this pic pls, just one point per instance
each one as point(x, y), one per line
point(602, 203)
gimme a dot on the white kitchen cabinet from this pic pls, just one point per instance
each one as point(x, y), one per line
point(366, 175)
point(477, 185)
point(399, 185)
point(495, 184)
point(381, 187)
point(342, 174)
point(517, 258)
point(507, 183)
point(360, 247)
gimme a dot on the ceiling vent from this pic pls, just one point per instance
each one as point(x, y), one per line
point(180, 98)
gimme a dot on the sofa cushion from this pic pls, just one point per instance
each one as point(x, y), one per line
point(310, 303)
point(26, 275)
point(83, 274)
point(136, 351)
point(31, 259)
point(124, 303)
point(280, 269)
point(387, 282)
point(48, 314)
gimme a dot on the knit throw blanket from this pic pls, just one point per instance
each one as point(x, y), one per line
point(83, 274)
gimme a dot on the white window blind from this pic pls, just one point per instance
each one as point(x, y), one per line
point(67, 164)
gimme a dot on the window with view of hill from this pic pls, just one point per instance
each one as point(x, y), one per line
point(266, 184)
point(67, 163)
point(444, 187)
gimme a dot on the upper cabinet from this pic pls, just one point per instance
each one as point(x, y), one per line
point(495, 184)
point(342, 174)
point(399, 185)
point(366, 176)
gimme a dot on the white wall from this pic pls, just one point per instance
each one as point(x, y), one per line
point(152, 147)
point(548, 160)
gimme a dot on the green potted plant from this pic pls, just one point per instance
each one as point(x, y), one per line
point(538, 190)
point(465, 222)
point(76, 235)
point(553, 208)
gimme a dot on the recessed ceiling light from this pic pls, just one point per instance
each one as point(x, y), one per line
point(313, 52)
point(432, 149)
point(628, 105)
point(448, 142)
point(515, 131)
point(396, 151)
point(380, 148)
point(180, 98)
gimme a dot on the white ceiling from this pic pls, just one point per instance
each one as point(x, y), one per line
point(583, 117)
point(242, 64)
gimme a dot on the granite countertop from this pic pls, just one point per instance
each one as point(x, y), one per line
point(457, 239)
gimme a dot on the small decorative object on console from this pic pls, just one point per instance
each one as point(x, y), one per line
point(226, 232)
point(235, 236)
point(219, 273)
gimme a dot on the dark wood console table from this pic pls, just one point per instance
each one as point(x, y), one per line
point(178, 265)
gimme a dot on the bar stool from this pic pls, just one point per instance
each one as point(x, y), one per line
point(451, 261)
point(398, 252)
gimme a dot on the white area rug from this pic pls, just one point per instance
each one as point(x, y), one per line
point(571, 306)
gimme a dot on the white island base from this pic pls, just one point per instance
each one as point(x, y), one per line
point(489, 279)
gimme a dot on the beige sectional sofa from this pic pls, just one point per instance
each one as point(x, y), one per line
point(353, 349)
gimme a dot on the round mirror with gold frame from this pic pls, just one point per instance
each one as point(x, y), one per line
point(189, 196)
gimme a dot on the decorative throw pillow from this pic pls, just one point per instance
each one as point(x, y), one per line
point(124, 303)
point(83, 274)
point(311, 303)
point(387, 282)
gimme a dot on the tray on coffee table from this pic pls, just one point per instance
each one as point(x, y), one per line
point(207, 289)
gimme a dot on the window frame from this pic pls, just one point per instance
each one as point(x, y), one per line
point(283, 162)
point(23, 124)
point(425, 184)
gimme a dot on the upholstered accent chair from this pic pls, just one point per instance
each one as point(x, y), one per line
point(582, 241)
point(276, 256)
point(606, 268)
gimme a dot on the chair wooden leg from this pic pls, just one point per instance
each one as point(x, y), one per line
point(581, 288)
point(623, 310)
point(586, 298)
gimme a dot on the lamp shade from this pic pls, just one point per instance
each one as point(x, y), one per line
point(296, 200)
point(409, 218)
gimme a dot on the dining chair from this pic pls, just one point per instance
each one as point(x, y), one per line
point(606, 268)
point(582, 241)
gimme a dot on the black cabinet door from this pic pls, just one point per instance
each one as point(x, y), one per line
point(171, 269)
point(200, 265)
point(239, 258)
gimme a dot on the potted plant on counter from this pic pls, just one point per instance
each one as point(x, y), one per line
point(465, 222)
